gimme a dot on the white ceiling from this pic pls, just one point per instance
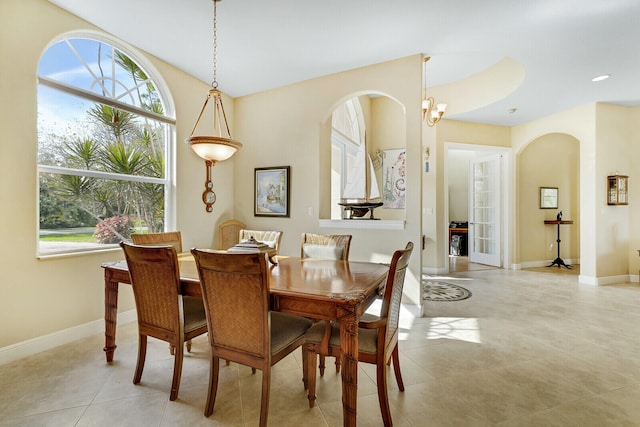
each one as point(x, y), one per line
point(562, 44)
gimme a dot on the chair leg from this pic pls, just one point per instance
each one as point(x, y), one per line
point(321, 365)
point(213, 386)
point(188, 346)
point(172, 350)
point(266, 388)
point(305, 367)
point(177, 371)
point(142, 354)
point(383, 398)
point(396, 368)
point(311, 375)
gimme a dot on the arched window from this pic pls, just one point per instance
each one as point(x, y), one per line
point(104, 132)
point(347, 134)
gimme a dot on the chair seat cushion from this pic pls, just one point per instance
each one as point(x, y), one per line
point(286, 328)
point(194, 316)
point(367, 338)
point(322, 251)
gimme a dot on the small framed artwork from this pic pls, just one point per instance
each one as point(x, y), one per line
point(548, 197)
point(394, 184)
point(272, 190)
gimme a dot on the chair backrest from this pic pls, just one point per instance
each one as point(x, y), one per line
point(393, 296)
point(155, 279)
point(173, 238)
point(271, 238)
point(332, 246)
point(228, 233)
point(235, 291)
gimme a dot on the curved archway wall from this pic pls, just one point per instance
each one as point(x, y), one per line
point(384, 124)
point(605, 134)
point(290, 126)
point(551, 160)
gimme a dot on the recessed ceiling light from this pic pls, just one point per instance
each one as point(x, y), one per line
point(601, 78)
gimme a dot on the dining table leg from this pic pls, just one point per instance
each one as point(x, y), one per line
point(110, 314)
point(349, 359)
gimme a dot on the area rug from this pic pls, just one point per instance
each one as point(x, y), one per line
point(436, 290)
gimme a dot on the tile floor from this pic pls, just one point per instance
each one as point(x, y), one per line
point(529, 348)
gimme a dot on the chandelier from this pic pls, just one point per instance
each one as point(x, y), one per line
point(431, 112)
point(218, 145)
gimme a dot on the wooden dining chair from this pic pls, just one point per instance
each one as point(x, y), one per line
point(228, 233)
point(173, 238)
point(377, 336)
point(331, 246)
point(162, 312)
point(235, 289)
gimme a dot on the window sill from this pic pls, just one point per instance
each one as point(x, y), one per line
point(364, 224)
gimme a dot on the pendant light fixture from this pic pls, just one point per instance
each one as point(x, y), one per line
point(219, 145)
point(430, 115)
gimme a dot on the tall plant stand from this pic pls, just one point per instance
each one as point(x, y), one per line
point(558, 261)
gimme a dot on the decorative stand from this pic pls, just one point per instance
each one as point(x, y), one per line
point(559, 260)
point(359, 210)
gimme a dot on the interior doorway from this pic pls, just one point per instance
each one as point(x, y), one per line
point(474, 224)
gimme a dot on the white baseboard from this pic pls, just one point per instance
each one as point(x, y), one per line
point(22, 349)
point(609, 280)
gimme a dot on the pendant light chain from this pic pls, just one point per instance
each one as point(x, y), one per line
point(214, 83)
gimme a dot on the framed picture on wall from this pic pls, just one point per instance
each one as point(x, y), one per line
point(548, 197)
point(271, 191)
point(394, 184)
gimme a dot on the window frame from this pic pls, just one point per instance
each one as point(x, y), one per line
point(351, 112)
point(166, 120)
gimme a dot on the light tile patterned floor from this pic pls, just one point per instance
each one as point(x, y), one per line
point(529, 348)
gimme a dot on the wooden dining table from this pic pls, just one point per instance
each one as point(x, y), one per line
point(316, 288)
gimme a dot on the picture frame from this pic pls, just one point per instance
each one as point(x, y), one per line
point(394, 185)
point(272, 191)
point(548, 197)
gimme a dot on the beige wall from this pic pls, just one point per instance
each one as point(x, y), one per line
point(607, 136)
point(613, 133)
point(39, 297)
point(458, 184)
point(552, 160)
point(634, 193)
point(387, 133)
point(290, 126)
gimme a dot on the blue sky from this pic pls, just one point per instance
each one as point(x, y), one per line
point(75, 62)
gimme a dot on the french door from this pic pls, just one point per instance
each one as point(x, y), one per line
point(485, 241)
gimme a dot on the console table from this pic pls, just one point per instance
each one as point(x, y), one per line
point(558, 260)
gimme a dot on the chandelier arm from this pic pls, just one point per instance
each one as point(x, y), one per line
point(200, 115)
point(224, 115)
